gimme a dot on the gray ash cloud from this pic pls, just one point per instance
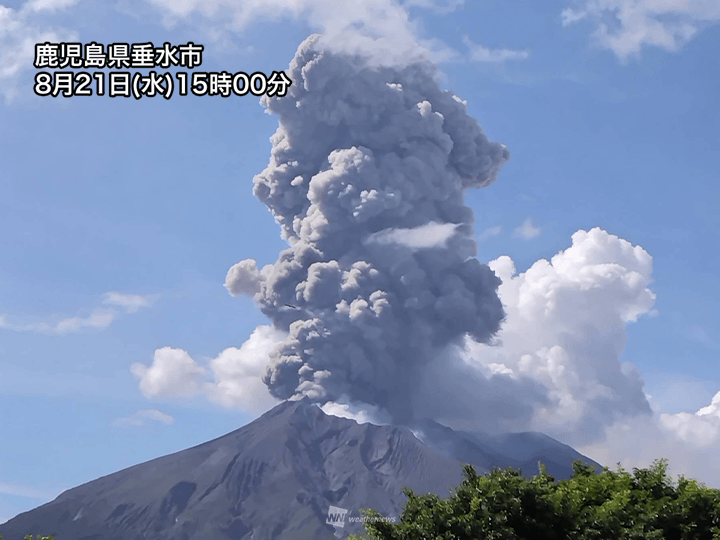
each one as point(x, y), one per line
point(367, 180)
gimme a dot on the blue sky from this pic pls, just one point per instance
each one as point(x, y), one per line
point(152, 200)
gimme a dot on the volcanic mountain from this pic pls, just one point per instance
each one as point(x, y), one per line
point(276, 478)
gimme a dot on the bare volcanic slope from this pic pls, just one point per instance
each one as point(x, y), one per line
point(487, 450)
point(275, 478)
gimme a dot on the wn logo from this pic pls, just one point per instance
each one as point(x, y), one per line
point(336, 516)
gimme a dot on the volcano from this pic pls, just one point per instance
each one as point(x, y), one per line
point(277, 477)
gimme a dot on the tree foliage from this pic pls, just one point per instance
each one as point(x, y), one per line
point(611, 505)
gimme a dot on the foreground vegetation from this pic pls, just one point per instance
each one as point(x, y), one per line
point(611, 505)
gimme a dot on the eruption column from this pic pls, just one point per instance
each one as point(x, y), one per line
point(367, 179)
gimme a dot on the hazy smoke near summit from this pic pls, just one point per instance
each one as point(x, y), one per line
point(367, 179)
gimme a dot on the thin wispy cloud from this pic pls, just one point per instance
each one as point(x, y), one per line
point(24, 26)
point(447, 6)
point(20, 30)
point(17, 490)
point(348, 26)
point(701, 336)
point(479, 53)
point(490, 232)
point(144, 417)
point(48, 5)
point(626, 26)
point(527, 231)
point(131, 303)
point(427, 236)
point(98, 319)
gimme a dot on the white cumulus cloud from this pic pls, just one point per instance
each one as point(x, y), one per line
point(237, 372)
point(232, 379)
point(173, 373)
point(556, 366)
point(688, 440)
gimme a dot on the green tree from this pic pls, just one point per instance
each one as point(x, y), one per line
point(611, 505)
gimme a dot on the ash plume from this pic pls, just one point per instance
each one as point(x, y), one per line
point(369, 169)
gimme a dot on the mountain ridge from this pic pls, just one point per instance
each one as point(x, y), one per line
point(273, 478)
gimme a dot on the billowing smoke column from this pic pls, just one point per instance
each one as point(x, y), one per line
point(369, 169)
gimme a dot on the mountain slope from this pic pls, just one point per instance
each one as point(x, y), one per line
point(517, 450)
point(275, 478)
point(524, 451)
